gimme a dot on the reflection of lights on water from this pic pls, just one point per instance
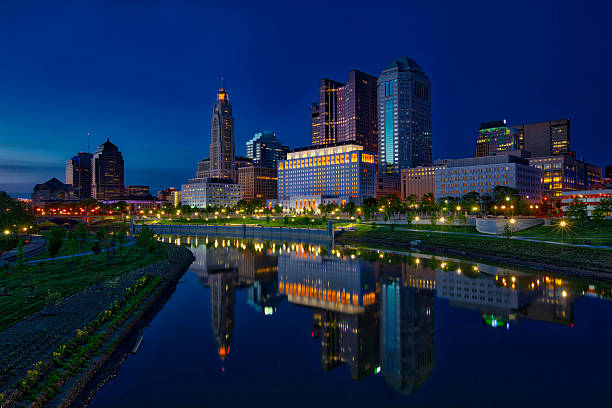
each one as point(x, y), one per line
point(564, 294)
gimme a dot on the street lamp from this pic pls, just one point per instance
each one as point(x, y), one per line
point(562, 225)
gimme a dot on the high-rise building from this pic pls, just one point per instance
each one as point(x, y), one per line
point(258, 182)
point(357, 111)
point(346, 112)
point(404, 117)
point(222, 148)
point(266, 150)
point(315, 132)
point(609, 172)
point(107, 172)
point(496, 137)
point(329, 114)
point(78, 174)
point(544, 138)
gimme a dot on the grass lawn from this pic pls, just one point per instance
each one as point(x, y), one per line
point(447, 228)
point(574, 234)
point(66, 276)
point(583, 258)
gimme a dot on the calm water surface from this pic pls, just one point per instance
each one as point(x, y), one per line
point(300, 325)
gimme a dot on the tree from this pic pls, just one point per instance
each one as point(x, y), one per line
point(55, 241)
point(121, 236)
point(577, 209)
point(428, 203)
point(601, 211)
point(80, 233)
point(349, 208)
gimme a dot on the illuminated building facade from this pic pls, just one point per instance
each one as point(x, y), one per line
point(544, 138)
point(222, 148)
point(495, 138)
point(258, 182)
point(608, 172)
point(211, 192)
point(562, 173)
point(52, 191)
point(337, 170)
point(346, 112)
point(592, 198)
point(404, 117)
point(107, 172)
point(265, 150)
point(137, 190)
point(78, 175)
point(458, 177)
point(418, 181)
point(315, 132)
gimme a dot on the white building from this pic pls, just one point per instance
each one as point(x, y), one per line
point(590, 197)
point(211, 192)
point(458, 177)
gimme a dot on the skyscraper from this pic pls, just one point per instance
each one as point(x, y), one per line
point(78, 174)
point(547, 138)
point(346, 112)
point(266, 150)
point(314, 124)
point(357, 111)
point(404, 117)
point(107, 172)
point(496, 137)
point(222, 148)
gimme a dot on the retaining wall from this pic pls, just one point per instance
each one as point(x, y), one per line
point(497, 225)
point(244, 231)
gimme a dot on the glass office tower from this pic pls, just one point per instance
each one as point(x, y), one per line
point(404, 117)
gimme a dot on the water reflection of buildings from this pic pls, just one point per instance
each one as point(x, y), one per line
point(376, 315)
point(502, 299)
point(224, 266)
point(407, 327)
point(342, 293)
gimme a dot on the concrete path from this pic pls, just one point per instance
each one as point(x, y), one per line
point(36, 245)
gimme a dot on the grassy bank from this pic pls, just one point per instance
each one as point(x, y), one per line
point(574, 257)
point(29, 287)
point(573, 234)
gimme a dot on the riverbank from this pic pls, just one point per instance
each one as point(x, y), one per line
point(576, 261)
point(43, 350)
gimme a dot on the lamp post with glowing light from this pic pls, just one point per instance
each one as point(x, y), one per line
point(562, 225)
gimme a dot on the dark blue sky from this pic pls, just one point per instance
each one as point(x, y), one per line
point(145, 73)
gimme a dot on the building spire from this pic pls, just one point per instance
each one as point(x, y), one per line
point(222, 83)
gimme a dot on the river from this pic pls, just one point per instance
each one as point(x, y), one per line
point(264, 324)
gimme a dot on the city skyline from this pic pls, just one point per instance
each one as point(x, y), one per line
point(152, 106)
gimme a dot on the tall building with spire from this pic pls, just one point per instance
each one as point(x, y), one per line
point(404, 117)
point(222, 148)
point(107, 172)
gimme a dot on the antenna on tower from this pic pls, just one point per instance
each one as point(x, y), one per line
point(88, 143)
point(222, 83)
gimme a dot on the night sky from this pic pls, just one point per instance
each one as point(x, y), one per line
point(145, 73)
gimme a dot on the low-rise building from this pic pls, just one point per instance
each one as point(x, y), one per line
point(52, 191)
point(388, 184)
point(336, 170)
point(418, 181)
point(258, 182)
point(137, 190)
point(562, 173)
point(458, 177)
point(137, 203)
point(592, 198)
point(211, 192)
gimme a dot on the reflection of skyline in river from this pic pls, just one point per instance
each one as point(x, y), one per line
point(371, 311)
